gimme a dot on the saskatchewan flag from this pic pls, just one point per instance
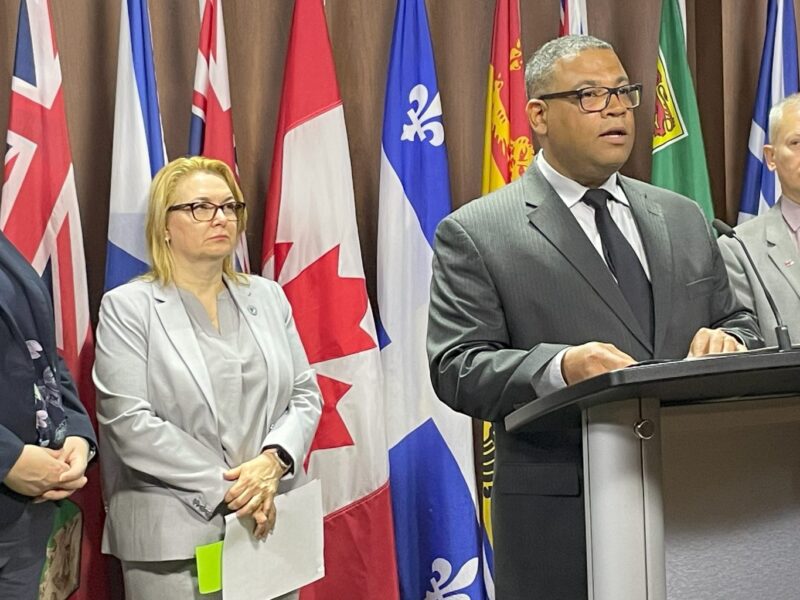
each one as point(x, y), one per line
point(679, 158)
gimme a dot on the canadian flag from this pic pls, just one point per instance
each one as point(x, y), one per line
point(311, 248)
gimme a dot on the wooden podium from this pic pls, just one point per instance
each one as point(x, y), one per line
point(668, 514)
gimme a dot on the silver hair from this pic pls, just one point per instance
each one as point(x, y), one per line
point(540, 66)
point(776, 114)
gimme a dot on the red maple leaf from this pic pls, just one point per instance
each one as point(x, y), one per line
point(328, 309)
point(331, 432)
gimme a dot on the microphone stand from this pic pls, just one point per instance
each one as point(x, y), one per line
point(781, 331)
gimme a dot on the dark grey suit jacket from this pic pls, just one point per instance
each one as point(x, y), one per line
point(515, 280)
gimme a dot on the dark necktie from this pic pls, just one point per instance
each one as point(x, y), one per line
point(622, 261)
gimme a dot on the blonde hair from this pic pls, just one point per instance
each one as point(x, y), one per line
point(161, 198)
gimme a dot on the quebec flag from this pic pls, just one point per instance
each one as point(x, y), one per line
point(432, 473)
point(777, 78)
point(138, 151)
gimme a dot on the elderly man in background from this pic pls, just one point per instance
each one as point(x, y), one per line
point(773, 238)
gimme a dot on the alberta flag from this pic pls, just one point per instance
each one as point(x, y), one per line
point(138, 151)
point(777, 79)
point(679, 156)
point(432, 471)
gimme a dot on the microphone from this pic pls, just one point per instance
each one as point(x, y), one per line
point(781, 331)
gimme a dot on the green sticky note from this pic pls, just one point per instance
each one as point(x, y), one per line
point(209, 567)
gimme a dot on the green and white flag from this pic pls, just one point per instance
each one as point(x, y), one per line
point(679, 158)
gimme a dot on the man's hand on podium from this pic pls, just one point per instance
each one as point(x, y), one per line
point(591, 359)
point(713, 341)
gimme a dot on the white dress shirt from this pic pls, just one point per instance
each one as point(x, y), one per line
point(571, 192)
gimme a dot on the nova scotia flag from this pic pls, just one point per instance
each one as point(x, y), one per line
point(138, 151)
point(777, 78)
point(432, 470)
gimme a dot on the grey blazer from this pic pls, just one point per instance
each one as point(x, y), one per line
point(774, 251)
point(162, 458)
point(515, 280)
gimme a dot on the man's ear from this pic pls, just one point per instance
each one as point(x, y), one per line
point(769, 156)
point(537, 116)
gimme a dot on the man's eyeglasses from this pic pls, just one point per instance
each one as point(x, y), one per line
point(206, 211)
point(596, 98)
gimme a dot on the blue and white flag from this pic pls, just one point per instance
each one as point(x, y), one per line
point(138, 151)
point(432, 470)
point(777, 79)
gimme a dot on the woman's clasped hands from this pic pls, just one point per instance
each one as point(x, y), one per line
point(254, 491)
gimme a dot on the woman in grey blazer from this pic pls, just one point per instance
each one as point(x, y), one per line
point(206, 401)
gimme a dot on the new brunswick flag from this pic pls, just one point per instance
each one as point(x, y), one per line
point(507, 148)
point(507, 152)
point(679, 158)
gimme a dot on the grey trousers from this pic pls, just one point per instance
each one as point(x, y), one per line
point(169, 579)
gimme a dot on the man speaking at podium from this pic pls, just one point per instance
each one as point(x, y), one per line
point(569, 272)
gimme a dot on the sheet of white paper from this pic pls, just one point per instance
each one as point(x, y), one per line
point(289, 558)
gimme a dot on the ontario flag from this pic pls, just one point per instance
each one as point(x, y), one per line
point(39, 214)
point(211, 127)
point(507, 152)
point(311, 248)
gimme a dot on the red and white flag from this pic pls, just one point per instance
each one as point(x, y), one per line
point(211, 128)
point(574, 20)
point(311, 248)
point(39, 214)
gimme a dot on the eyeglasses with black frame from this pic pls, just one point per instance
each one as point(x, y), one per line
point(596, 98)
point(206, 211)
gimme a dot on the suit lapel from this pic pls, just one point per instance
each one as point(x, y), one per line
point(178, 328)
point(781, 247)
point(554, 220)
point(658, 253)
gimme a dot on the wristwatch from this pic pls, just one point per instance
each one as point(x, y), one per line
point(284, 458)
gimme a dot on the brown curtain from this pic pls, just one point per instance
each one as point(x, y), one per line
point(725, 40)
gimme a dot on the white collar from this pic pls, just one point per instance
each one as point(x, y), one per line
point(569, 190)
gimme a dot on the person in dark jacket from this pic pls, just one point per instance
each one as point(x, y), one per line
point(46, 437)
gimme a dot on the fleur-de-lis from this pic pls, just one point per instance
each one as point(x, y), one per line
point(445, 588)
point(422, 117)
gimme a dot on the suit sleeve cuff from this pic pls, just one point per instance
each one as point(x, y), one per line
point(550, 379)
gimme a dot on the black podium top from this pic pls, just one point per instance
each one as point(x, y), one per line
point(724, 377)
